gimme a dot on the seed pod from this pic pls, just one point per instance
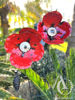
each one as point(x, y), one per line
point(16, 81)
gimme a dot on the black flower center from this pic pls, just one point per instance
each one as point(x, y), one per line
point(25, 47)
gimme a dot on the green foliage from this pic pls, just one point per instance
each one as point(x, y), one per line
point(39, 83)
point(3, 2)
point(70, 63)
point(56, 68)
point(55, 60)
point(5, 72)
point(22, 13)
point(69, 74)
point(5, 75)
point(70, 70)
point(1, 32)
point(5, 84)
point(4, 94)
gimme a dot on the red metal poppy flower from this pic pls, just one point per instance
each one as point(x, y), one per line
point(24, 48)
point(52, 30)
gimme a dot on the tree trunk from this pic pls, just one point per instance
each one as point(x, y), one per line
point(4, 22)
point(4, 25)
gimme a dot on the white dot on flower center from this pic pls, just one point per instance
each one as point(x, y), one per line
point(52, 31)
point(24, 46)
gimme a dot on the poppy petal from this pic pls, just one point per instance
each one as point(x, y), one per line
point(19, 58)
point(52, 18)
point(13, 40)
point(23, 30)
point(45, 36)
point(38, 52)
point(10, 42)
point(54, 41)
point(19, 61)
point(64, 30)
point(41, 29)
point(34, 34)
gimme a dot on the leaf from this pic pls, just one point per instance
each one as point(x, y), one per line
point(55, 60)
point(70, 66)
point(38, 82)
point(4, 95)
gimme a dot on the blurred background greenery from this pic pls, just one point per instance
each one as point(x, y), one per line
point(43, 74)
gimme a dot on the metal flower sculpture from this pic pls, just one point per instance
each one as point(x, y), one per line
point(52, 29)
point(24, 48)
